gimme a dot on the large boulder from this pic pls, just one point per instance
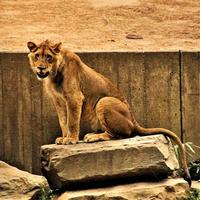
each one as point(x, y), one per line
point(171, 189)
point(16, 184)
point(73, 165)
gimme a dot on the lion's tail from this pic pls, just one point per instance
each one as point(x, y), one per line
point(154, 131)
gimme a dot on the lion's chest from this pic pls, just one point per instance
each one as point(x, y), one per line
point(54, 88)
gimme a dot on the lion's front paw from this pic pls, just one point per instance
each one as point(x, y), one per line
point(70, 140)
point(91, 137)
point(59, 140)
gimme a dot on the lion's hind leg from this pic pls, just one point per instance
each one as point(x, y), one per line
point(114, 118)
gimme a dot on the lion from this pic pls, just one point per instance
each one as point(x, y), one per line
point(88, 105)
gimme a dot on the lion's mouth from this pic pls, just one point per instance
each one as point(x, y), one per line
point(42, 74)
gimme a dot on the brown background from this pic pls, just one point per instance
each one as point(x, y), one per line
point(164, 25)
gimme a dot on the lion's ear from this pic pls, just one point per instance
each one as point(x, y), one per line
point(57, 47)
point(32, 46)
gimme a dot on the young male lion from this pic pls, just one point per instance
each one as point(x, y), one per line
point(88, 105)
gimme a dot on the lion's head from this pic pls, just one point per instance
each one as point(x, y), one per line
point(44, 58)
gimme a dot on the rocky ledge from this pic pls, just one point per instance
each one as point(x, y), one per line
point(86, 164)
point(173, 189)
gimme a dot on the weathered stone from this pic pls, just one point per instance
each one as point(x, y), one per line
point(66, 165)
point(196, 184)
point(16, 184)
point(171, 189)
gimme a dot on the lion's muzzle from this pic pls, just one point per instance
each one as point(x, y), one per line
point(42, 72)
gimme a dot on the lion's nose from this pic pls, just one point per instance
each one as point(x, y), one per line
point(41, 68)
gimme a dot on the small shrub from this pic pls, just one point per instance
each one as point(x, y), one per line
point(189, 149)
point(194, 168)
point(44, 194)
point(194, 194)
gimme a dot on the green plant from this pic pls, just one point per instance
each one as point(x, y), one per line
point(194, 194)
point(189, 149)
point(45, 194)
point(194, 166)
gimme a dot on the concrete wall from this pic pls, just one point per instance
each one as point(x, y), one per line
point(161, 87)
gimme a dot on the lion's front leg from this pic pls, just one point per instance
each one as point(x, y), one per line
point(63, 125)
point(61, 109)
point(74, 108)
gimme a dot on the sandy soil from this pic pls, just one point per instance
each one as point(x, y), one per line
point(95, 25)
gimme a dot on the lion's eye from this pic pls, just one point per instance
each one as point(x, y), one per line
point(37, 56)
point(49, 58)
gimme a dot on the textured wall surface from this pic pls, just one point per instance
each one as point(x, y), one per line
point(161, 87)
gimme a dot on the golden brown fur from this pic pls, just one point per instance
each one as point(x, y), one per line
point(88, 105)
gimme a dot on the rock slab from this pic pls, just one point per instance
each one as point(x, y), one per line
point(170, 189)
point(65, 165)
point(16, 184)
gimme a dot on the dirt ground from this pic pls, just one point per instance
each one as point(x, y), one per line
point(101, 25)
